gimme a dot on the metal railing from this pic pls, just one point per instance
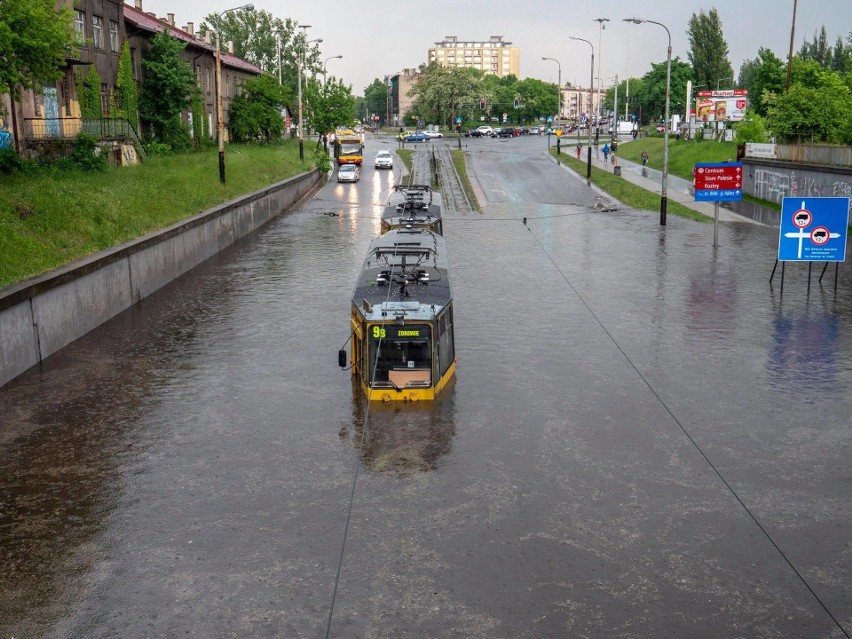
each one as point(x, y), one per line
point(40, 129)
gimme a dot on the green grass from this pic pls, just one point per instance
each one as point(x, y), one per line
point(406, 155)
point(464, 178)
point(683, 154)
point(49, 218)
point(626, 192)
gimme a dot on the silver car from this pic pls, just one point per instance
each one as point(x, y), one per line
point(348, 173)
point(384, 160)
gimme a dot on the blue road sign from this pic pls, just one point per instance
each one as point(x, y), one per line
point(458, 120)
point(813, 229)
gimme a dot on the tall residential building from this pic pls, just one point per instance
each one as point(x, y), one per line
point(493, 56)
point(576, 102)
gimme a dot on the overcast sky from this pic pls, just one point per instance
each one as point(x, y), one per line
point(382, 37)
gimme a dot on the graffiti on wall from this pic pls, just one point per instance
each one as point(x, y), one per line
point(774, 184)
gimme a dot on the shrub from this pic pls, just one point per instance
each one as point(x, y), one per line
point(86, 155)
point(10, 161)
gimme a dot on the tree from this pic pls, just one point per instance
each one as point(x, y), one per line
point(538, 99)
point(35, 37)
point(255, 114)
point(376, 97)
point(167, 90)
point(329, 105)
point(766, 72)
point(708, 50)
point(752, 128)
point(441, 93)
point(818, 49)
point(817, 108)
point(652, 92)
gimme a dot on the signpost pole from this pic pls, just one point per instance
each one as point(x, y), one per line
point(716, 223)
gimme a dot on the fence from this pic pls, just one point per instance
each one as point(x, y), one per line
point(40, 129)
point(803, 153)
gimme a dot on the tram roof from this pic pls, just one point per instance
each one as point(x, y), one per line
point(416, 250)
point(413, 205)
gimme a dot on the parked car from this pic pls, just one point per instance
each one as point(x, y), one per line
point(348, 173)
point(503, 132)
point(535, 130)
point(434, 134)
point(473, 133)
point(485, 130)
point(403, 134)
point(384, 160)
point(416, 137)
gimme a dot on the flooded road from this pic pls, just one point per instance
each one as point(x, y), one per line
point(644, 439)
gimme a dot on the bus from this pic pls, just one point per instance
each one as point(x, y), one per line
point(348, 147)
point(402, 331)
point(412, 206)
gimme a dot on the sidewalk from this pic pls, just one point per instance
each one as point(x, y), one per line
point(679, 190)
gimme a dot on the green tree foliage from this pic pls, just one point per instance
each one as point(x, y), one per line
point(766, 72)
point(708, 50)
point(125, 88)
point(89, 93)
point(752, 128)
point(329, 105)
point(652, 92)
point(35, 37)
point(817, 108)
point(376, 97)
point(255, 114)
point(442, 93)
point(538, 99)
point(167, 90)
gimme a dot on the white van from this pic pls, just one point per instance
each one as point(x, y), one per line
point(625, 127)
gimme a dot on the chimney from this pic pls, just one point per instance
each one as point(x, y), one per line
point(170, 18)
point(190, 29)
point(139, 4)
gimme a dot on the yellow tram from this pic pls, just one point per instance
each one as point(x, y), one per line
point(403, 346)
point(413, 206)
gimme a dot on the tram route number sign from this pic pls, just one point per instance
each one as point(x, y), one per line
point(718, 182)
point(813, 229)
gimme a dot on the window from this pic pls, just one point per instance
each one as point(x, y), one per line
point(97, 32)
point(113, 36)
point(80, 26)
point(207, 79)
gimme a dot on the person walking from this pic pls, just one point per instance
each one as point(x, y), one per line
point(606, 152)
point(579, 150)
point(644, 158)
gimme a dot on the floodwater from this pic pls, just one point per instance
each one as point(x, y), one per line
point(644, 439)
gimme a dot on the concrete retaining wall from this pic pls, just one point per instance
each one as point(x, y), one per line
point(40, 316)
point(774, 180)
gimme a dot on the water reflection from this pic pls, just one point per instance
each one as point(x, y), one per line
point(804, 353)
point(402, 439)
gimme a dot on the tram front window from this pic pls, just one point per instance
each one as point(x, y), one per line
point(401, 360)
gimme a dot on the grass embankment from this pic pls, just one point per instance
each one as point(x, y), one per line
point(622, 190)
point(406, 155)
point(50, 217)
point(683, 154)
point(464, 179)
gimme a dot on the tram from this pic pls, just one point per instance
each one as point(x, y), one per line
point(403, 346)
point(416, 208)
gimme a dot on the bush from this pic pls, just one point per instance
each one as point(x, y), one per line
point(322, 160)
point(10, 161)
point(86, 155)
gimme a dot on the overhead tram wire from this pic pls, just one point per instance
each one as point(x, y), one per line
point(364, 434)
point(691, 439)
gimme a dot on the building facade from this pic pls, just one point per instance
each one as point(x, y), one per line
point(399, 104)
point(494, 56)
point(576, 102)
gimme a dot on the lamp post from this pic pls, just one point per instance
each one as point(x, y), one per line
point(601, 26)
point(220, 125)
point(301, 61)
point(664, 187)
point(559, 90)
point(324, 69)
point(589, 117)
point(721, 80)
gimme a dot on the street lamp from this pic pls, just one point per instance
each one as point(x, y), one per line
point(601, 27)
point(589, 115)
point(664, 188)
point(559, 91)
point(721, 80)
point(334, 57)
point(301, 61)
point(220, 126)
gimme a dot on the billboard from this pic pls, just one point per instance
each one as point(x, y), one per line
point(721, 106)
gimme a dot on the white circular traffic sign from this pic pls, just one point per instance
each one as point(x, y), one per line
point(802, 218)
point(820, 235)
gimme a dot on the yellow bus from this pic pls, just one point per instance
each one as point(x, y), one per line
point(348, 147)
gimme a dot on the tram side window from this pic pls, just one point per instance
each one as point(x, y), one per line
point(446, 347)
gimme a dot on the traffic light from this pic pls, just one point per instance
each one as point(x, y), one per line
point(517, 103)
point(482, 104)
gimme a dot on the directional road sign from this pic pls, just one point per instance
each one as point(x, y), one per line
point(721, 182)
point(813, 229)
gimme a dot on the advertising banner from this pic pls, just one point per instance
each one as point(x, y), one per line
point(721, 106)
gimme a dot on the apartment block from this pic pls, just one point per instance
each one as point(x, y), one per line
point(494, 56)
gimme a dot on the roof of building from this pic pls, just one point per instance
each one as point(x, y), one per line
point(152, 24)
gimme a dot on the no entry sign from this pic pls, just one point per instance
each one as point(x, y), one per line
point(721, 182)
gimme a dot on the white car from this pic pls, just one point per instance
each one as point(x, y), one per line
point(434, 134)
point(384, 160)
point(485, 130)
point(348, 173)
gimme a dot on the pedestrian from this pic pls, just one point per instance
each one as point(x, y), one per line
point(579, 150)
point(606, 152)
point(614, 146)
point(644, 158)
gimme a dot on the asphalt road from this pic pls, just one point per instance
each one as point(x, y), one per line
point(644, 439)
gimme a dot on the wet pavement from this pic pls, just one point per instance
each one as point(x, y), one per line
point(644, 439)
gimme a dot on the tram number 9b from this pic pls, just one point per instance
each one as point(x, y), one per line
point(379, 332)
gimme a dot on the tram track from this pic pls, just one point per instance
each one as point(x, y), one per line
point(453, 196)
